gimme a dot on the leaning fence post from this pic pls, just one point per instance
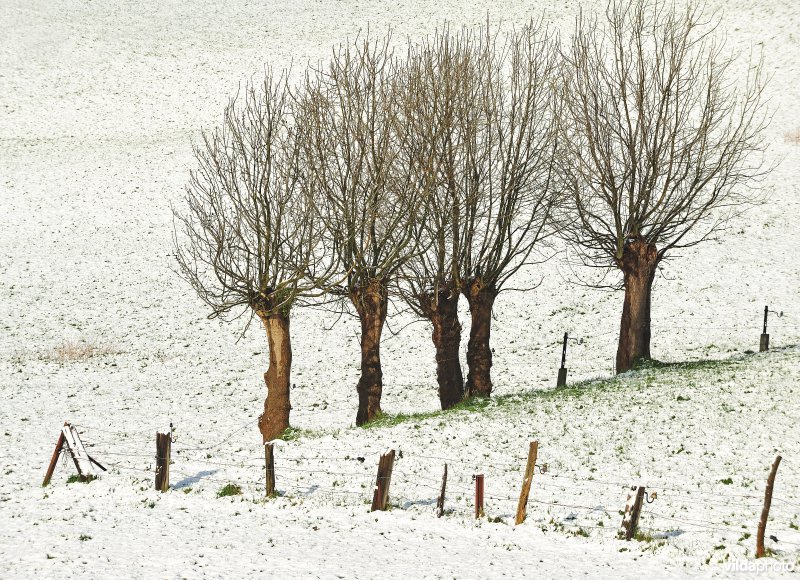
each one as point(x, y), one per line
point(163, 450)
point(380, 499)
point(522, 507)
point(762, 525)
point(54, 460)
point(269, 462)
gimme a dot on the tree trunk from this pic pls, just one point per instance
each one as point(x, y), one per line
point(442, 311)
point(371, 302)
point(275, 418)
point(481, 298)
point(638, 264)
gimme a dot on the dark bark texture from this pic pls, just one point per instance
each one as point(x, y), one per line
point(481, 298)
point(442, 310)
point(275, 418)
point(638, 264)
point(371, 303)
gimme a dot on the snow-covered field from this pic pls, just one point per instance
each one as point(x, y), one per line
point(99, 102)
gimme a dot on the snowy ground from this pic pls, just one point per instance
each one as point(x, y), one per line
point(98, 106)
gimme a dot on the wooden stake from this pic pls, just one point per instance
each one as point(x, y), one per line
point(522, 507)
point(762, 525)
point(380, 499)
point(562, 372)
point(440, 502)
point(163, 450)
point(269, 458)
point(764, 344)
point(478, 495)
point(54, 460)
point(630, 521)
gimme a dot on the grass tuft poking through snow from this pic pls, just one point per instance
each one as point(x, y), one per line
point(229, 490)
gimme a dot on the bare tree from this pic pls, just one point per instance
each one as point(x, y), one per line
point(246, 239)
point(659, 145)
point(364, 196)
point(509, 176)
point(438, 117)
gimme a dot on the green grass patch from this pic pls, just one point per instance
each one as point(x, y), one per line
point(293, 434)
point(647, 375)
point(471, 405)
point(77, 479)
point(229, 490)
point(390, 419)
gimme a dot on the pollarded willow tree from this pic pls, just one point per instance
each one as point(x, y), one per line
point(509, 175)
point(660, 140)
point(439, 88)
point(481, 137)
point(247, 239)
point(365, 197)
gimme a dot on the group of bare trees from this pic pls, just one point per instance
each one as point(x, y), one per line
point(443, 170)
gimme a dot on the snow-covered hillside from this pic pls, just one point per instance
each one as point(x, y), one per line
point(99, 103)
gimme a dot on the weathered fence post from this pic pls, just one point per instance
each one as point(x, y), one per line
point(163, 450)
point(269, 462)
point(54, 460)
point(440, 502)
point(764, 345)
point(562, 372)
point(478, 495)
point(522, 507)
point(762, 525)
point(380, 499)
point(630, 520)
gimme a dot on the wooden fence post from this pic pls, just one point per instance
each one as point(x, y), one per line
point(440, 502)
point(630, 521)
point(269, 461)
point(478, 495)
point(163, 451)
point(522, 507)
point(764, 343)
point(762, 525)
point(562, 372)
point(380, 499)
point(54, 460)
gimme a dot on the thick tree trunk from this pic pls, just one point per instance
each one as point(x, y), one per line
point(481, 298)
point(371, 303)
point(442, 311)
point(275, 418)
point(638, 264)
